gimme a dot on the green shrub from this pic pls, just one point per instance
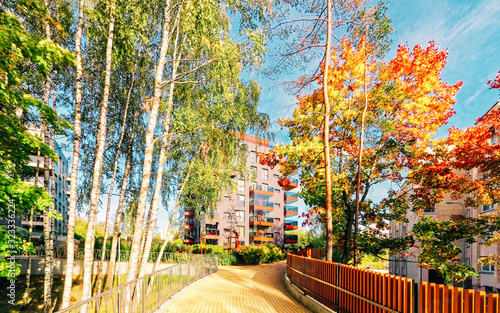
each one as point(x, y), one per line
point(226, 258)
point(259, 254)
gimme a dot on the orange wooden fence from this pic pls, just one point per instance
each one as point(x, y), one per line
point(345, 288)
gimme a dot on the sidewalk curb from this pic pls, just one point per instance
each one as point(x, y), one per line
point(308, 302)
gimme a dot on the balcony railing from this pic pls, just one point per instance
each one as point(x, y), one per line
point(261, 219)
point(292, 223)
point(291, 194)
point(293, 180)
point(291, 237)
point(212, 232)
point(262, 203)
point(261, 188)
point(262, 235)
point(291, 208)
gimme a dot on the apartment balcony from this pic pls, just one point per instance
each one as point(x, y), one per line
point(261, 205)
point(262, 236)
point(294, 183)
point(261, 190)
point(261, 221)
point(291, 197)
point(211, 234)
point(291, 210)
point(291, 238)
point(291, 225)
point(212, 220)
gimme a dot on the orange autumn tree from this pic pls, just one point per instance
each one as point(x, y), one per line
point(406, 103)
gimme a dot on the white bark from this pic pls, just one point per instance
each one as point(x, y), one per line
point(161, 164)
point(97, 173)
point(68, 280)
point(148, 154)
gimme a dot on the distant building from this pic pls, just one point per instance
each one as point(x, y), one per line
point(61, 188)
point(259, 211)
point(489, 275)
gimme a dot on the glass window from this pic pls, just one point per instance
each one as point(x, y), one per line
point(487, 207)
point(277, 190)
point(277, 205)
point(241, 231)
point(240, 216)
point(277, 219)
point(241, 200)
point(253, 172)
point(276, 176)
point(488, 268)
point(265, 173)
point(241, 185)
point(253, 157)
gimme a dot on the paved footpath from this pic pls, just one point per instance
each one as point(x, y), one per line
point(240, 289)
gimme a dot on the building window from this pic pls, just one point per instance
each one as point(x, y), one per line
point(253, 172)
point(265, 173)
point(276, 176)
point(227, 198)
point(430, 210)
point(277, 190)
point(468, 213)
point(404, 231)
point(487, 207)
point(241, 200)
point(493, 139)
point(467, 261)
point(488, 268)
point(277, 205)
point(241, 231)
point(240, 216)
point(397, 233)
point(253, 157)
point(277, 219)
point(241, 185)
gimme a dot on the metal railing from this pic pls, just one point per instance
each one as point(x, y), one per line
point(291, 223)
point(291, 208)
point(212, 232)
point(147, 293)
point(263, 203)
point(261, 219)
point(262, 235)
point(170, 257)
point(291, 194)
point(261, 187)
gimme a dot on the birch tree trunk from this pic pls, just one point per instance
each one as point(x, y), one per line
point(97, 174)
point(326, 139)
point(118, 219)
point(47, 288)
point(70, 248)
point(111, 188)
point(149, 143)
point(161, 164)
point(30, 232)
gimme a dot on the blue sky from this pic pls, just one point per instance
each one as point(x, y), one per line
point(469, 30)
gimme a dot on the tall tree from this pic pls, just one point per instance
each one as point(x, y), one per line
point(77, 135)
point(98, 161)
point(407, 103)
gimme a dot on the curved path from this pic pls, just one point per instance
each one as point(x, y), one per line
point(239, 289)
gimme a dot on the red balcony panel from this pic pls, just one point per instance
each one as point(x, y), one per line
point(291, 227)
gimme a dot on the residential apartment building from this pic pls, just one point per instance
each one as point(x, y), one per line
point(61, 182)
point(489, 276)
point(258, 211)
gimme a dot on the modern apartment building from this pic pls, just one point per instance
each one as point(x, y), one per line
point(61, 187)
point(489, 276)
point(259, 211)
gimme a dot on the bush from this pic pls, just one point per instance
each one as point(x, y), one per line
point(259, 254)
point(226, 258)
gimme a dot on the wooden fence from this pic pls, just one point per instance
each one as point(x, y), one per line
point(347, 289)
